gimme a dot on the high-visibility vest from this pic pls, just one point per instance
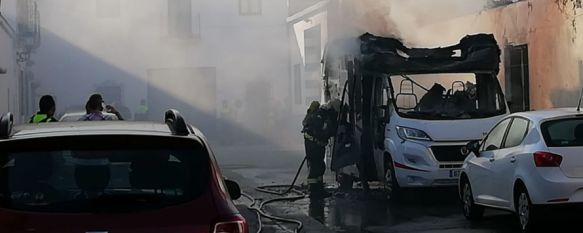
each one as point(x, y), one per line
point(40, 118)
point(142, 109)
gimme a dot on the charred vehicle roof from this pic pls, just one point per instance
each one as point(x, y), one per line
point(473, 54)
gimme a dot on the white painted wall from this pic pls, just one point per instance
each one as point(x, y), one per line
point(9, 93)
point(79, 50)
point(297, 45)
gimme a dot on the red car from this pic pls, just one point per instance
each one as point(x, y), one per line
point(113, 177)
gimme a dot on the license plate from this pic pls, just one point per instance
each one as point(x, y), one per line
point(454, 173)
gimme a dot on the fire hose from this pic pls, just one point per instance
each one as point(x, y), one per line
point(257, 206)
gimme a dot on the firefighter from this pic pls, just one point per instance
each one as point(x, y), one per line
point(46, 110)
point(316, 137)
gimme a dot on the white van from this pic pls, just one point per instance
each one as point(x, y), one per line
point(407, 114)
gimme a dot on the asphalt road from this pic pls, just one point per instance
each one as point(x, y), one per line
point(425, 210)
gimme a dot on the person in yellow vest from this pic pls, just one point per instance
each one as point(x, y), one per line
point(141, 113)
point(46, 111)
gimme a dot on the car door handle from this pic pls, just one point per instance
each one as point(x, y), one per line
point(512, 159)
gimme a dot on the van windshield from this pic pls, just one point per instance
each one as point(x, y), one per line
point(447, 96)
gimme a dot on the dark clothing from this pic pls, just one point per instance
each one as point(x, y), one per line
point(315, 125)
point(41, 118)
point(319, 126)
point(315, 154)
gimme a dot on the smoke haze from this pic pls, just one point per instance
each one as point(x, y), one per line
point(222, 65)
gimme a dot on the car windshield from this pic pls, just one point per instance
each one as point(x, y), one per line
point(563, 133)
point(75, 179)
point(447, 96)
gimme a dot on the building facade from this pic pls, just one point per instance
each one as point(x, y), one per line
point(541, 46)
point(9, 72)
point(541, 42)
point(19, 31)
point(192, 54)
point(308, 30)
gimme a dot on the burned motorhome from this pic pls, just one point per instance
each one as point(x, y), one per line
point(407, 112)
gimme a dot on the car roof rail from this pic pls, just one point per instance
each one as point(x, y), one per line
point(176, 123)
point(6, 124)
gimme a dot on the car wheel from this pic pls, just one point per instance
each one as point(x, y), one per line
point(525, 211)
point(392, 189)
point(472, 211)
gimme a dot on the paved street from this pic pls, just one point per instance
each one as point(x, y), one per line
point(427, 211)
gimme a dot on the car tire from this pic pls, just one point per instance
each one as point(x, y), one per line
point(525, 210)
point(472, 211)
point(392, 188)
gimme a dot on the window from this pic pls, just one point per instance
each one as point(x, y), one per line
point(563, 133)
point(517, 132)
point(107, 8)
point(124, 175)
point(517, 78)
point(297, 84)
point(180, 18)
point(448, 96)
point(494, 139)
point(250, 7)
point(313, 48)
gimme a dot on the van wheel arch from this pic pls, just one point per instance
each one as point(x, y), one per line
point(392, 187)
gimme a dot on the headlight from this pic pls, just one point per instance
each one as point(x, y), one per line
point(414, 134)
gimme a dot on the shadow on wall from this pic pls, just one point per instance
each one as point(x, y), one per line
point(568, 98)
point(565, 98)
point(71, 73)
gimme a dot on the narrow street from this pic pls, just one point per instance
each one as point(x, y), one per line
point(427, 211)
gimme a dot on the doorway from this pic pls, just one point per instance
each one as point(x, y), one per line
point(517, 78)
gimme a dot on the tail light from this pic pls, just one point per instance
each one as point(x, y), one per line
point(547, 159)
point(235, 224)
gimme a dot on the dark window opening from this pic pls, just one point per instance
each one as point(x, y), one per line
point(180, 18)
point(517, 78)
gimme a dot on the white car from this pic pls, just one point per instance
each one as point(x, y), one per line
point(529, 161)
point(75, 116)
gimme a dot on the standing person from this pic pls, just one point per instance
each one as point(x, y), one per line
point(315, 140)
point(46, 111)
point(94, 108)
point(141, 111)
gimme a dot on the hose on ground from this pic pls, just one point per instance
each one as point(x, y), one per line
point(290, 189)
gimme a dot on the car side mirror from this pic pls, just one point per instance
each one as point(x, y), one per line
point(234, 189)
point(473, 147)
